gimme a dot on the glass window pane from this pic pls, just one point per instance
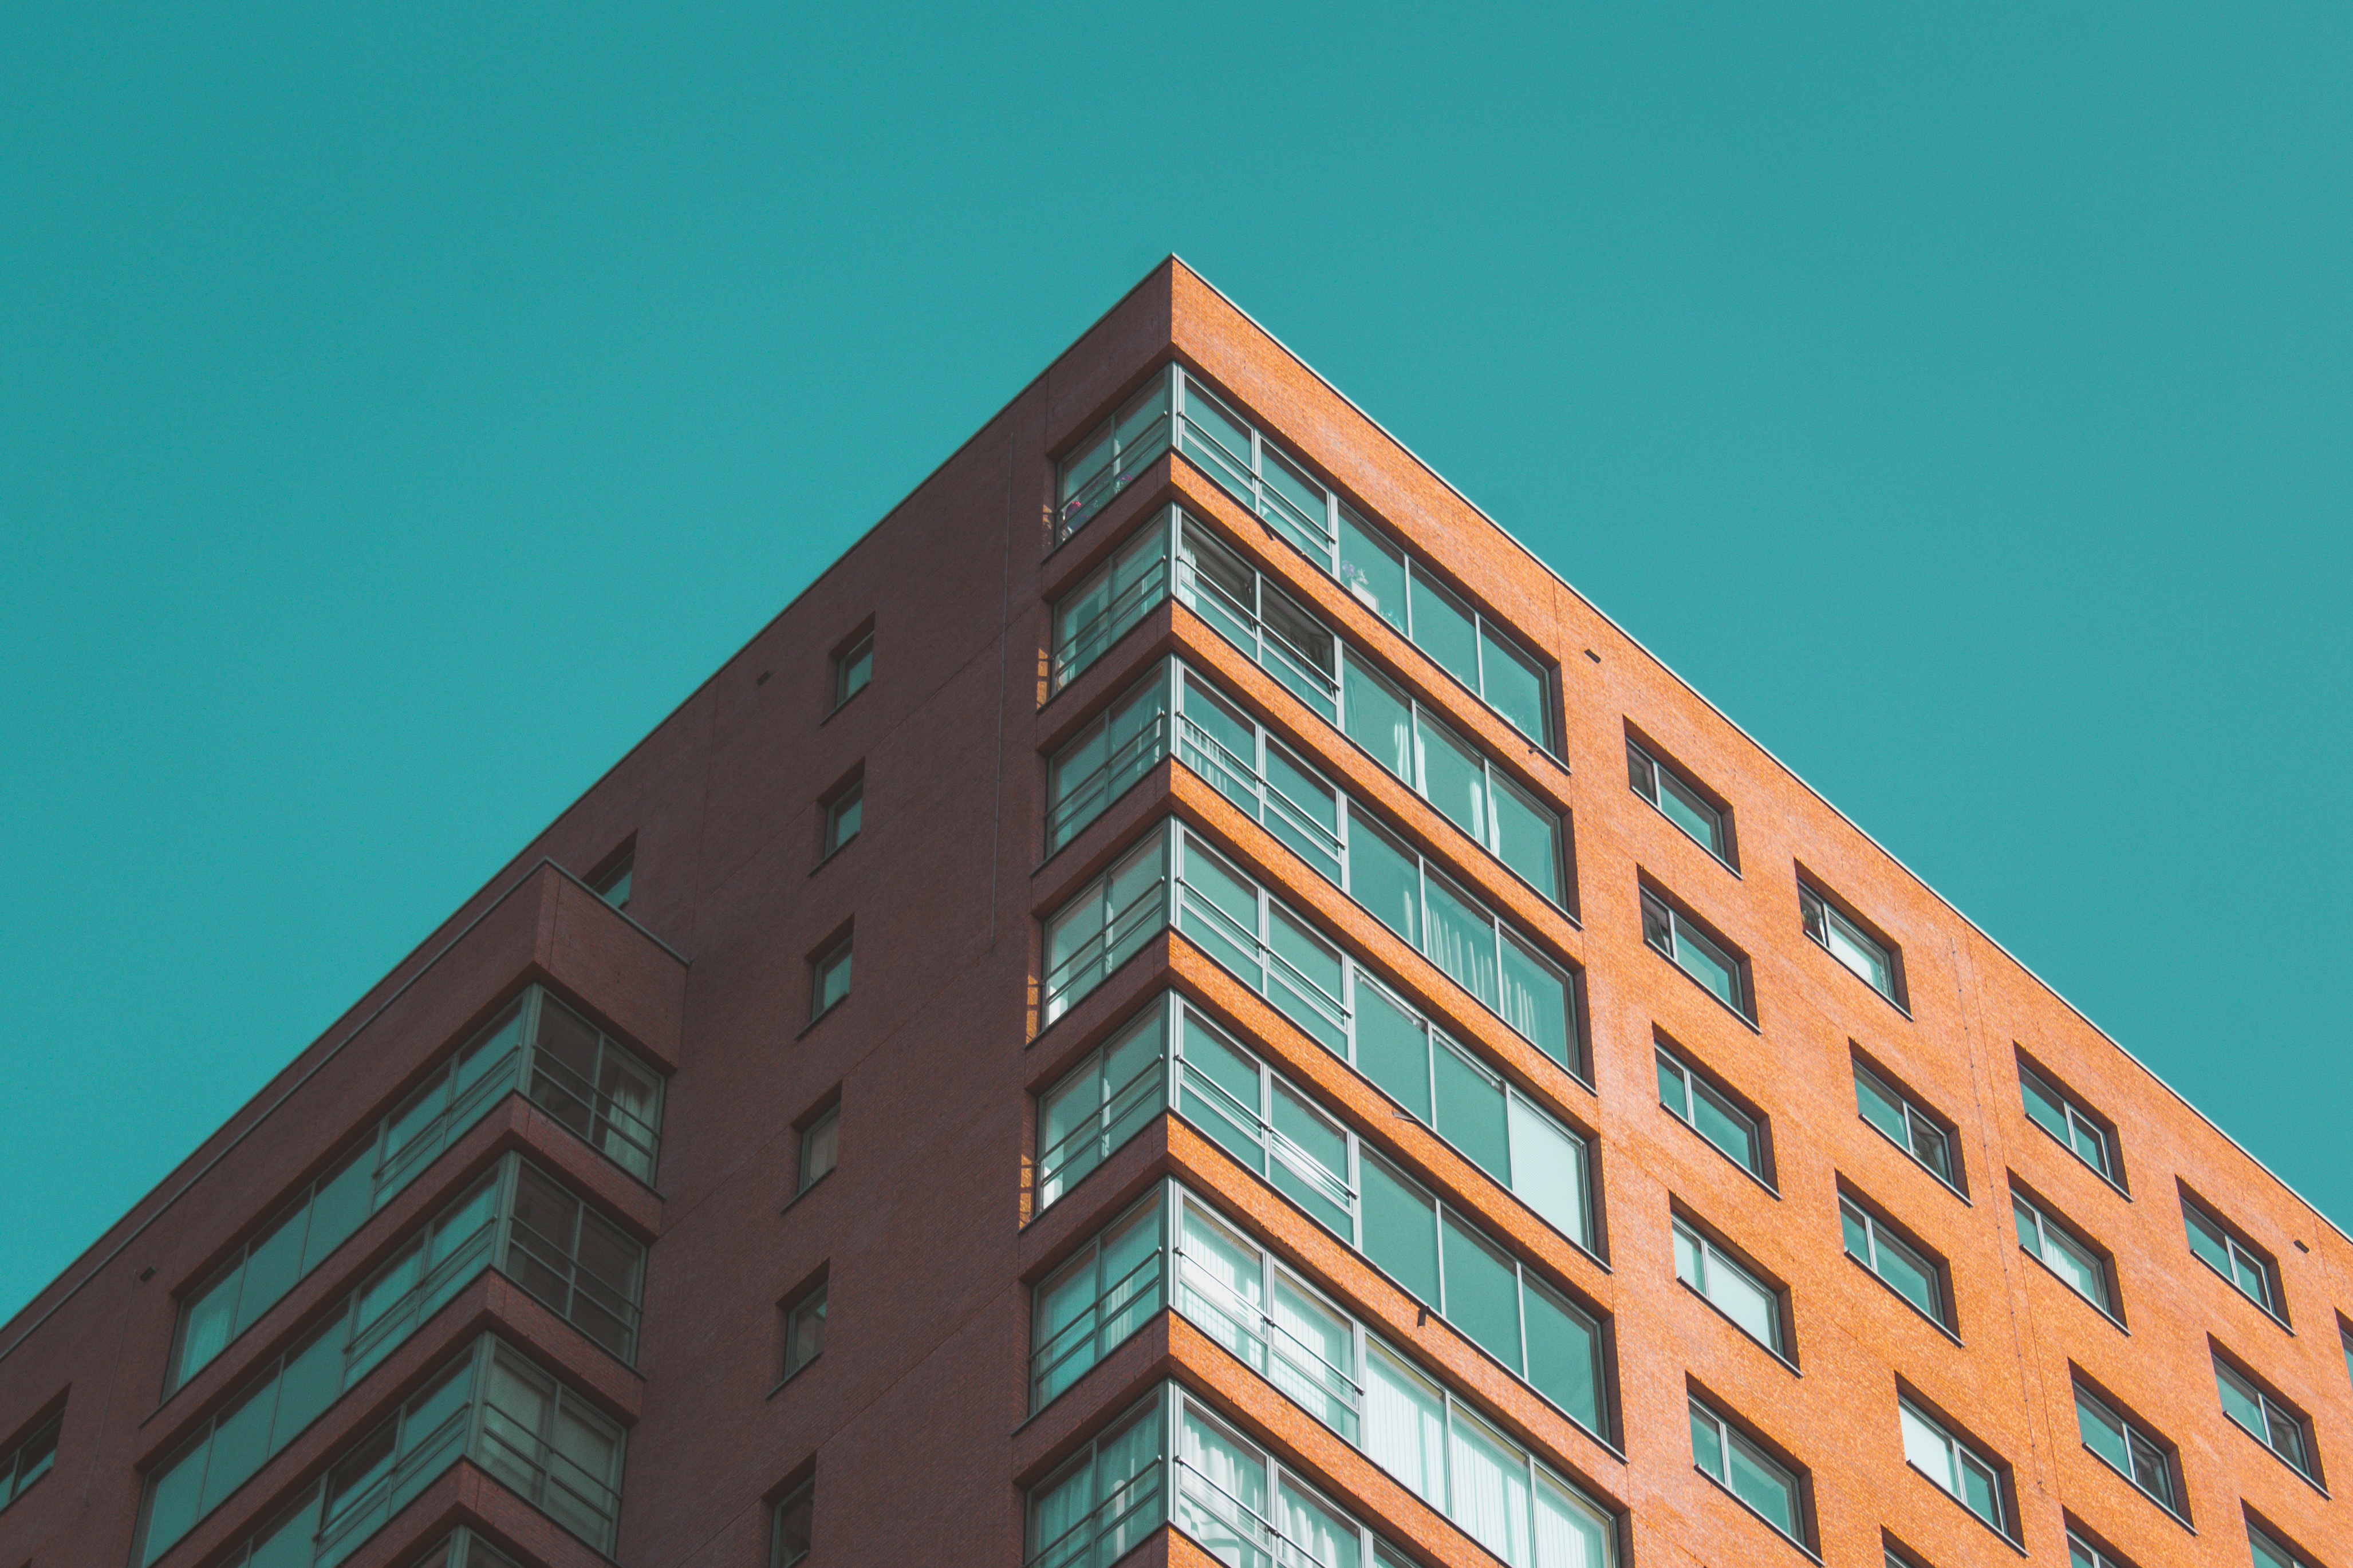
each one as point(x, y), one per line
point(2207, 1241)
point(1909, 1273)
point(1548, 1170)
point(1471, 1114)
point(271, 1266)
point(1460, 938)
point(1221, 1093)
point(1392, 1049)
point(1220, 442)
point(1526, 837)
point(1672, 1094)
point(1729, 1128)
point(1925, 1447)
point(1569, 1534)
point(1378, 720)
point(1536, 1000)
point(2044, 1107)
point(1881, 1108)
point(1765, 1486)
point(1564, 1355)
point(1371, 569)
point(1708, 1442)
point(1294, 503)
point(1217, 585)
point(1236, 1474)
point(1682, 806)
point(1404, 1425)
point(1312, 1162)
point(1707, 963)
point(1443, 628)
point(1384, 879)
point(1865, 957)
point(2101, 1432)
point(1453, 777)
point(1328, 1537)
point(1489, 1480)
point(1744, 1300)
point(1515, 685)
point(1222, 1286)
point(1482, 1292)
point(1401, 1227)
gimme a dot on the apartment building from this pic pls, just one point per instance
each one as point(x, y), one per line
point(1189, 1001)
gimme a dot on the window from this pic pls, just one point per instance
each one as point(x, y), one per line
point(1899, 1266)
point(1752, 1305)
point(1112, 455)
point(2050, 1109)
point(1696, 1103)
point(789, 1532)
point(2231, 1256)
point(1678, 800)
point(611, 882)
point(1725, 976)
point(829, 979)
point(30, 1459)
point(1911, 1129)
point(1972, 1479)
point(1100, 1103)
point(2270, 1551)
point(1725, 1456)
point(2055, 1247)
point(462, 1548)
point(1106, 923)
point(2086, 1551)
point(853, 667)
point(2265, 1417)
point(1096, 614)
point(2127, 1448)
point(1872, 963)
point(805, 1330)
point(516, 1219)
point(1088, 1305)
point(528, 1431)
point(820, 1147)
point(843, 814)
point(1109, 756)
point(579, 1075)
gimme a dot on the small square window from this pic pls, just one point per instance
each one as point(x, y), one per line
point(1894, 1112)
point(2130, 1449)
point(2055, 1110)
point(829, 979)
point(2266, 1417)
point(1679, 801)
point(1869, 960)
point(1724, 1453)
point(611, 883)
point(852, 669)
point(843, 814)
point(1902, 1268)
point(804, 1331)
point(820, 1147)
point(1706, 1110)
point(1723, 973)
point(790, 1542)
point(2231, 1255)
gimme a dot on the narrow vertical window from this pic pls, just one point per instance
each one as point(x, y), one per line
point(805, 1330)
point(820, 1147)
point(1869, 960)
point(30, 1459)
point(790, 1530)
point(829, 979)
point(843, 814)
point(611, 882)
point(853, 667)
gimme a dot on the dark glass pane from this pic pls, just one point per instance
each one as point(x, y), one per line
point(1482, 1293)
point(1384, 879)
point(1515, 687)
point(1564, 1357)
point(1442, 629)
point(1371, 570)
point(1400, 1229)
point(271, 1266)
point(312, 1381)
point(1393, 1050)
point(1471, 1114)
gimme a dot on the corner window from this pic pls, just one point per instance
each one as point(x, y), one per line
point(1726, 1456)
point(2231, 1254)
point(611, 882)
point(30, 1460)
point(1871, 961)
point(2085, 1135)
point(1106, 757)
point(820, 1147)
point(805, 1330)
point(829, 979)
point(1109, 456)
point(1096, 614)
point(1711, 1113)
point(789, 1532)
point(853, 667)
point(2057, 1249)
point(2129, 1448)
point(1753, 1306)
point(1901, 1266)
point(1973, 1479)
point(1679, 801)
point(843, 814)
point(1924, 1137)
point(1723, 973)
point(2265, 1417)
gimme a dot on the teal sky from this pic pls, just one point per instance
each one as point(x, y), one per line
point(403, 407)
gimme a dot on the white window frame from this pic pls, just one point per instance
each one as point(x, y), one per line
point(1731, 1439)
point(1693, 1088)
point(2078, 1121)
point(2049, 1234)
point(1713, 1258)
point(1876, 1236)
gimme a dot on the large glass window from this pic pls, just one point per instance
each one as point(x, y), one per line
point(491, 1405)
point(1219, 585)
point(575, 1071)
point(1753, 1306)
point(1865, 955)
point(2058, 1249)
point(2128, 1449)
point(1105, 924)
point(1726, 976)
point(1096, 614)
point(1679, 801)
point(2231, 1256)
point(29, 1460)
point(1699, 1105)
point(1108, 1290)
point(1726, 1456)
point(1901, 1268)
point(1110, 456)
point(2053, 1110)
point(516, 1219)
point(1972, 1477)
point(1265, 779)
point(1111, 753)
point(2265, 1417)
point(1911, 1129)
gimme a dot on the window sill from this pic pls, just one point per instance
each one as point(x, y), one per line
point(2285, 1463)
point(805, 1192)
point(792, 1374)
point(1743, 1504)
point(1910, 1306)
point(1998, 1533)
point(820, 1018)
point(1787, 1364)
point(1915, 1159)
point(2138, 1490)
point(828, 718)
point(827, 859)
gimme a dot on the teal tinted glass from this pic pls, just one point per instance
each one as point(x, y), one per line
point(2102, 1433)
point(1393, 1050)
point(1727, 1128)
point(1384, 879)
point(1220, 1094)
point(1707, 1443)
point(1400, 1229)
point(1706, 962)
point(1371, 570)
point(1880, 1108)
point(1908, 1274)
point(1460, 938)
point(1526, 837)
point(1443, 629)
point(1483, 1295)
point(1536, 1000)
point(1858, 1236)
point(1765, 1486)
point(1684, 807)
point(1675, 1095)
point(1564, 1356)
point(1311, 1137)
point(1547, 1169)
point(1513, 686)
point(1453, 777)
point(1378, 720)
point(1471, 1114)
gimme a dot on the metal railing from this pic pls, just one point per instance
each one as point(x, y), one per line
point(443, 1280)
point(1225, 1521)
point(1254, 473)
point(1257, 963)
point(1130, 451)
point(1080, 1150)
point(1246, 628)
point(1085, 965)
point(1269, 1349)
point(1084, 642)
point(1118, 1309)
point(611, 1128)
point(548, 1478)
point(1111, 1529)
point(1241, 781)
point(1101, 785)
point(353, 1523)
point(1270, 1139)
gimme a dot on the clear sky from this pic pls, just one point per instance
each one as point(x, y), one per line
point(401, 407)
